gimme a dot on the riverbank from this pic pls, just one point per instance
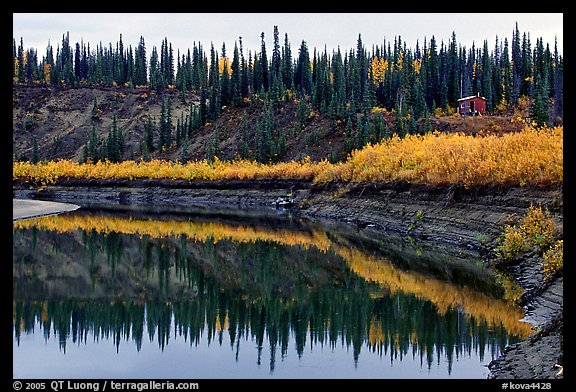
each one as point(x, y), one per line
point(462, 218)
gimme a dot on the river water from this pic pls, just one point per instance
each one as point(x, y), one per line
point(133, 293)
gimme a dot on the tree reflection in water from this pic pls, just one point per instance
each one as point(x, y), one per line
point(224, 283)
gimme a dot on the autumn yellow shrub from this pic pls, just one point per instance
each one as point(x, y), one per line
point(534, 232)
point(47, 173)
point(513, 244)
point(531, 157)
point(554, 260)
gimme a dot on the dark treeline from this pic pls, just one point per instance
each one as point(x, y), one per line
point(411, 82)
point(342, 313)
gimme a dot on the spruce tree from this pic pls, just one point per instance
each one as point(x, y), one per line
point(84, 157)
point(184, 153)
point(92, 144)
point(225, 95)
point(287, 68)
point(140, 64)
point(236, 78)
point(264, 64)
point(257, 77)
point(539, 109)
point(213, 86)
point(244, 73)
point(303, 73)
point(275, 66)
point(487, 89)
point(21, 73)
point(155, 73)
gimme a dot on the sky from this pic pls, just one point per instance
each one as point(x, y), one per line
point(319, 30)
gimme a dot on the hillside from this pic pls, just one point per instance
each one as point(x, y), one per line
point(62, 120)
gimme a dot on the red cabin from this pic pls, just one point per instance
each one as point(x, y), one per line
point(472, 105)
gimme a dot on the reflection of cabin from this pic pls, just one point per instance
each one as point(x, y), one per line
point(472, 105)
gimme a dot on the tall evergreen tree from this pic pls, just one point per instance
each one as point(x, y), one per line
point(115, 143)
point(244, 79)
point(155, 71)
point(225, 90)
point(433, 77)
point(287, 68)
point(257, 77)
point(558, 85)
point(526, 87)
point(77, 62)
point(140, 64)
point(21, 64)
point(453, 72)
point(275, 66)
point(539, 109)
point(303, 73)
point(517, 69)
point(487, 91)
point(236, 78)
point(213, 85)
point(264, 64)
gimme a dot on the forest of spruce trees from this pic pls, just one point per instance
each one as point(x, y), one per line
point(411, 83)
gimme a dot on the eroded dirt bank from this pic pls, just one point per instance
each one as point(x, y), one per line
point(459, 218)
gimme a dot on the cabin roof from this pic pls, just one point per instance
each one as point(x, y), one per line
point(470, 97)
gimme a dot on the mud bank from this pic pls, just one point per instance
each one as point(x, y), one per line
point(466, 219)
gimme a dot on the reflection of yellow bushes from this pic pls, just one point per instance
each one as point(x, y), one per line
point(443, 294)
point(533, 156)
point(197, 231)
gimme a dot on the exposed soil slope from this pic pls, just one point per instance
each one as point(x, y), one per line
point(62, 119)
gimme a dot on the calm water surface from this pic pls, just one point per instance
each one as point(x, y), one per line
point(145, 295)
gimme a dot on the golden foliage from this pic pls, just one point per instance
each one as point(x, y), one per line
point(533, 156)
point(400, 61)
point(46, 173)
point(530, 157)
point(197, 231)
point(47, 69)
point(535, 231)
point(379, 67)
point(554, 260)
point(417, 64)
point(224, 64)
